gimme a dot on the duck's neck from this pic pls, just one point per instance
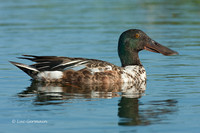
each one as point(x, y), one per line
point(128, 51)
point(130, 58)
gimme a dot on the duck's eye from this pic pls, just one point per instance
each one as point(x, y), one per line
point(137, 35)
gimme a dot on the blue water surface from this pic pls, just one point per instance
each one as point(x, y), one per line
point(90, 29)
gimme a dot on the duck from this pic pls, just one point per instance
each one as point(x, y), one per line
point(59, 69)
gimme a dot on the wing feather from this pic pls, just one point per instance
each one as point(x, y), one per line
point(59, 63)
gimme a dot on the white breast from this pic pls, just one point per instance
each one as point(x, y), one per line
point(133, 73)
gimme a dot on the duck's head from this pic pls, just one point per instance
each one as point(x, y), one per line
point(132, 41)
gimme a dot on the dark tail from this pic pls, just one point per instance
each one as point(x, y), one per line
point(31, 71)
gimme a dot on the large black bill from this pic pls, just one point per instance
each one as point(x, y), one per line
point(158, 48)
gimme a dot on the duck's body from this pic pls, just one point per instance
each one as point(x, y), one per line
point(81, 70)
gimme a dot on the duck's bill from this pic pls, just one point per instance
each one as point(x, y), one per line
point(153, 46)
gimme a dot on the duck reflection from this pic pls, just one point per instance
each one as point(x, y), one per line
point(56, 91)
point(131, 112)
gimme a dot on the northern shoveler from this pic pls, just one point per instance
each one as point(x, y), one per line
point(82, 70)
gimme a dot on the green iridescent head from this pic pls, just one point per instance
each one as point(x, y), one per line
point(132, 41)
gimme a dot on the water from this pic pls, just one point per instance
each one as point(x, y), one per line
point(91, 29)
